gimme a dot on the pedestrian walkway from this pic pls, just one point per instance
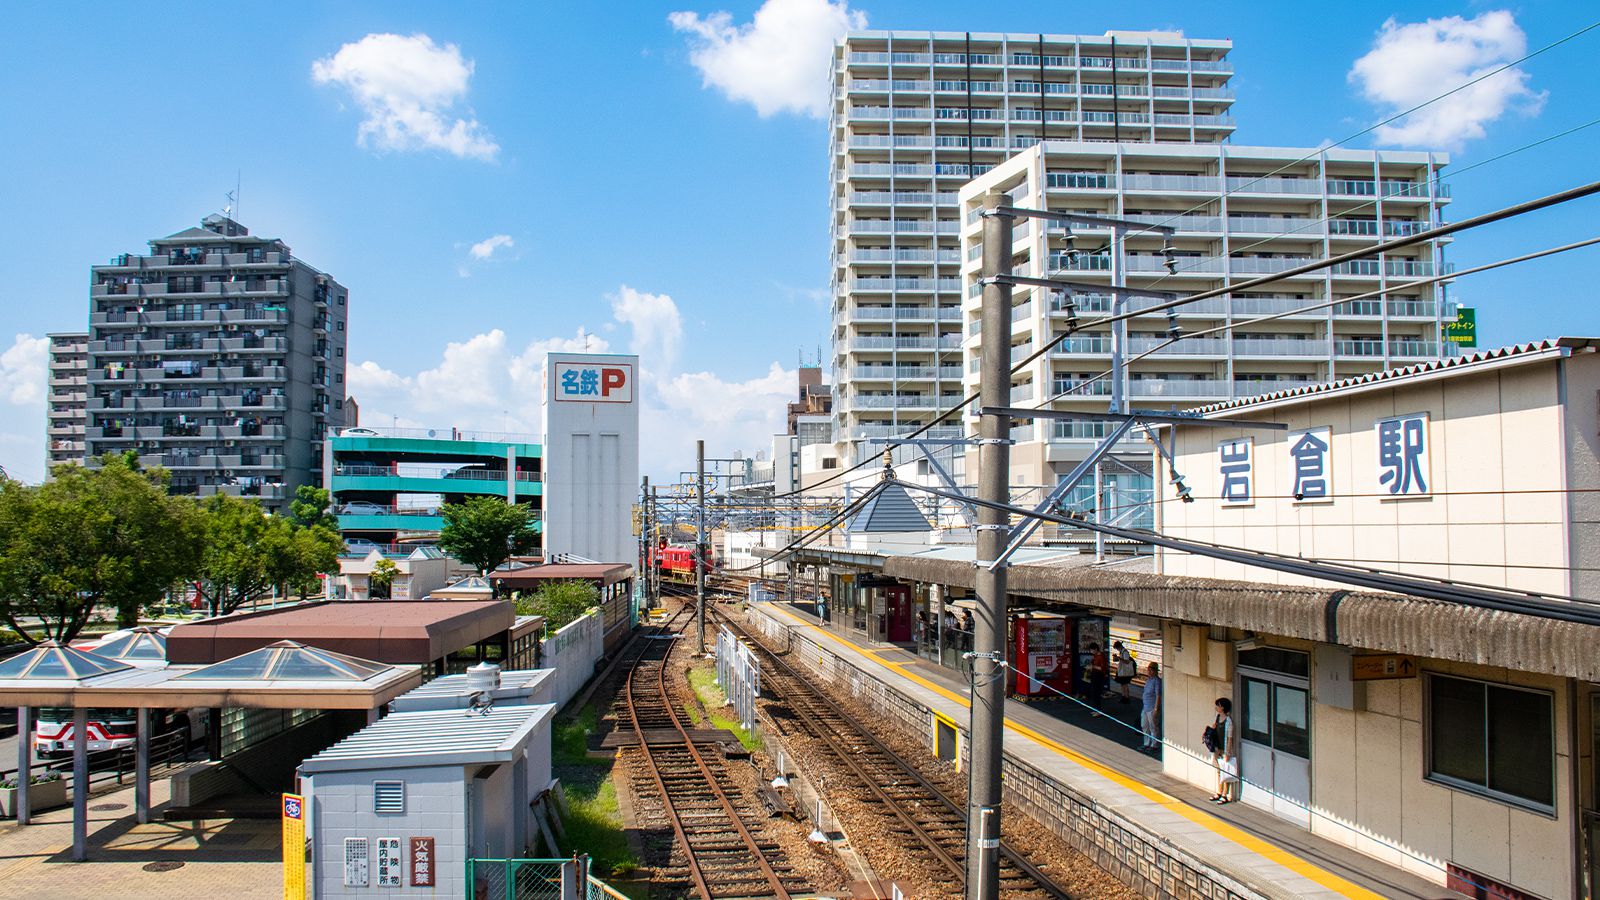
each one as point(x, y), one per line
point(231, 858)
point(1252, 847)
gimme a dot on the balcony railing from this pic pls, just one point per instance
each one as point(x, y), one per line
point(420, 470)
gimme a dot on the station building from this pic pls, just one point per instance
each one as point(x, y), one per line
point(1473, 745)
point(1451, 736)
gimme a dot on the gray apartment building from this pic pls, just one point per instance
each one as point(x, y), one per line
point(220, 356)
point(67, 397)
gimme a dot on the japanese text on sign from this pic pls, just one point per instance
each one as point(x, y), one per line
point(1403, 455)
point(294, 847)
point(1310, 464)
point(422, 862)
point(594, 382)
point(1235, 467)
point(389, 862)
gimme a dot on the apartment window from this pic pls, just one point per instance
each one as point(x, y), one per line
point(340, 325)
point(1492, 739)
point(339, 352)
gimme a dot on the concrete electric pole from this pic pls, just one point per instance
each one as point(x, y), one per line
point(987, 727)
point(700, 542)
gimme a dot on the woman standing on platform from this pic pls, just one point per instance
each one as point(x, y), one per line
point(1224, 750)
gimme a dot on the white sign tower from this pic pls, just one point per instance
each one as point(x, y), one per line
point(591, 455)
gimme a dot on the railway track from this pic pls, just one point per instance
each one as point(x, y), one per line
point(722, 855)
point(920, 818)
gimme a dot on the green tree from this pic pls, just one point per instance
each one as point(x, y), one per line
point(560, 602)
point(310, 508)
point(381, 581)
point(484, 532)
point(248, 552)
point(108, 537)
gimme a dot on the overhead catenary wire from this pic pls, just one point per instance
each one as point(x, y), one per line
point(1227, 192)
point(831, 523)
point(1312, 266)
point(1301, 310)
point(1437, 180)
point(1376, 125)
point(1570, 609)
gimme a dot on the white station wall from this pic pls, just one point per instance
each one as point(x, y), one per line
point(591, 455)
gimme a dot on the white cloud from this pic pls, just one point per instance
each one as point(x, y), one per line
point(779, 61)
point(1412, 63)
point(728, 415)
point(409, 87)
point(22, 420)
point(486, 247)
point(657, 329)
point(485, 383)
point(480, 383)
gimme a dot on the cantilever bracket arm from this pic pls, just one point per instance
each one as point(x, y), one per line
point(1013, 212)
point(1138, 415)
point(1086, 286)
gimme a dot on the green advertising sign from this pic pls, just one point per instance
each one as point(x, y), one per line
point(1464, 330)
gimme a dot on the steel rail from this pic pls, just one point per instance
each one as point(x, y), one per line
point(815, 696)
point(695, 871)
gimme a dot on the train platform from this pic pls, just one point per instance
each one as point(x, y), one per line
point(1241, 850)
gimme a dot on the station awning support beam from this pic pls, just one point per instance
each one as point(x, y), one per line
point(24, 763)
point(141, 767)
point(80, 784)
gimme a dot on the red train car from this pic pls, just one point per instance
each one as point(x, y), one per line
point(675, 562)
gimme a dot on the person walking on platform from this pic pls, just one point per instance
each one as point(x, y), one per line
point(1125, 667)
point(1099, 674)
point(1220, 740)
point(1150, 712)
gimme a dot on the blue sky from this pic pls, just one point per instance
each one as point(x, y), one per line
point(641, 204)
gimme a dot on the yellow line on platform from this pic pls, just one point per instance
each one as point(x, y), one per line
point(1219, 827)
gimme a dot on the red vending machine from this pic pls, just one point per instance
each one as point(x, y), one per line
point(1039, 649)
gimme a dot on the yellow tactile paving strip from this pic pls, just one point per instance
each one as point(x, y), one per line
point(1219, 827)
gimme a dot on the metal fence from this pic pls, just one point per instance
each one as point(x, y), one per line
point(537, 879)
point(739, 676)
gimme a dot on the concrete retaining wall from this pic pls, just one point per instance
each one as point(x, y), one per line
point(1140, 858)
point(572, 652)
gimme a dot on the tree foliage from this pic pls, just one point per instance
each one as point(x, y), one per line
point(248, 552)
point(310, 507)
point(107, 537)
point(484, 532)
point(560, 602)
point(381, 581)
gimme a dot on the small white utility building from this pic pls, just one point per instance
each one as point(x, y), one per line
point(397, 808)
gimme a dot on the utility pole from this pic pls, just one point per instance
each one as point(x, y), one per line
point(700, 542)
point(987, 727)
point(655, 539)
point(647, 547)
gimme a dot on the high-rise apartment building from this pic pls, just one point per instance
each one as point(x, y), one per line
point(221, 356)
point(915, 115)
point(67, 397)
point(1239, 213)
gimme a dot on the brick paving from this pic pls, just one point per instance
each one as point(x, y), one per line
point(235, 858)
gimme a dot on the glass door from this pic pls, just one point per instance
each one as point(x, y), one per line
point(1275, 744)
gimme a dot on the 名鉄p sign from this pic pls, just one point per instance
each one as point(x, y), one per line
point(594, 382)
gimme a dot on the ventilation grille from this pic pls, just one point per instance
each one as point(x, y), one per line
point(389, 797)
